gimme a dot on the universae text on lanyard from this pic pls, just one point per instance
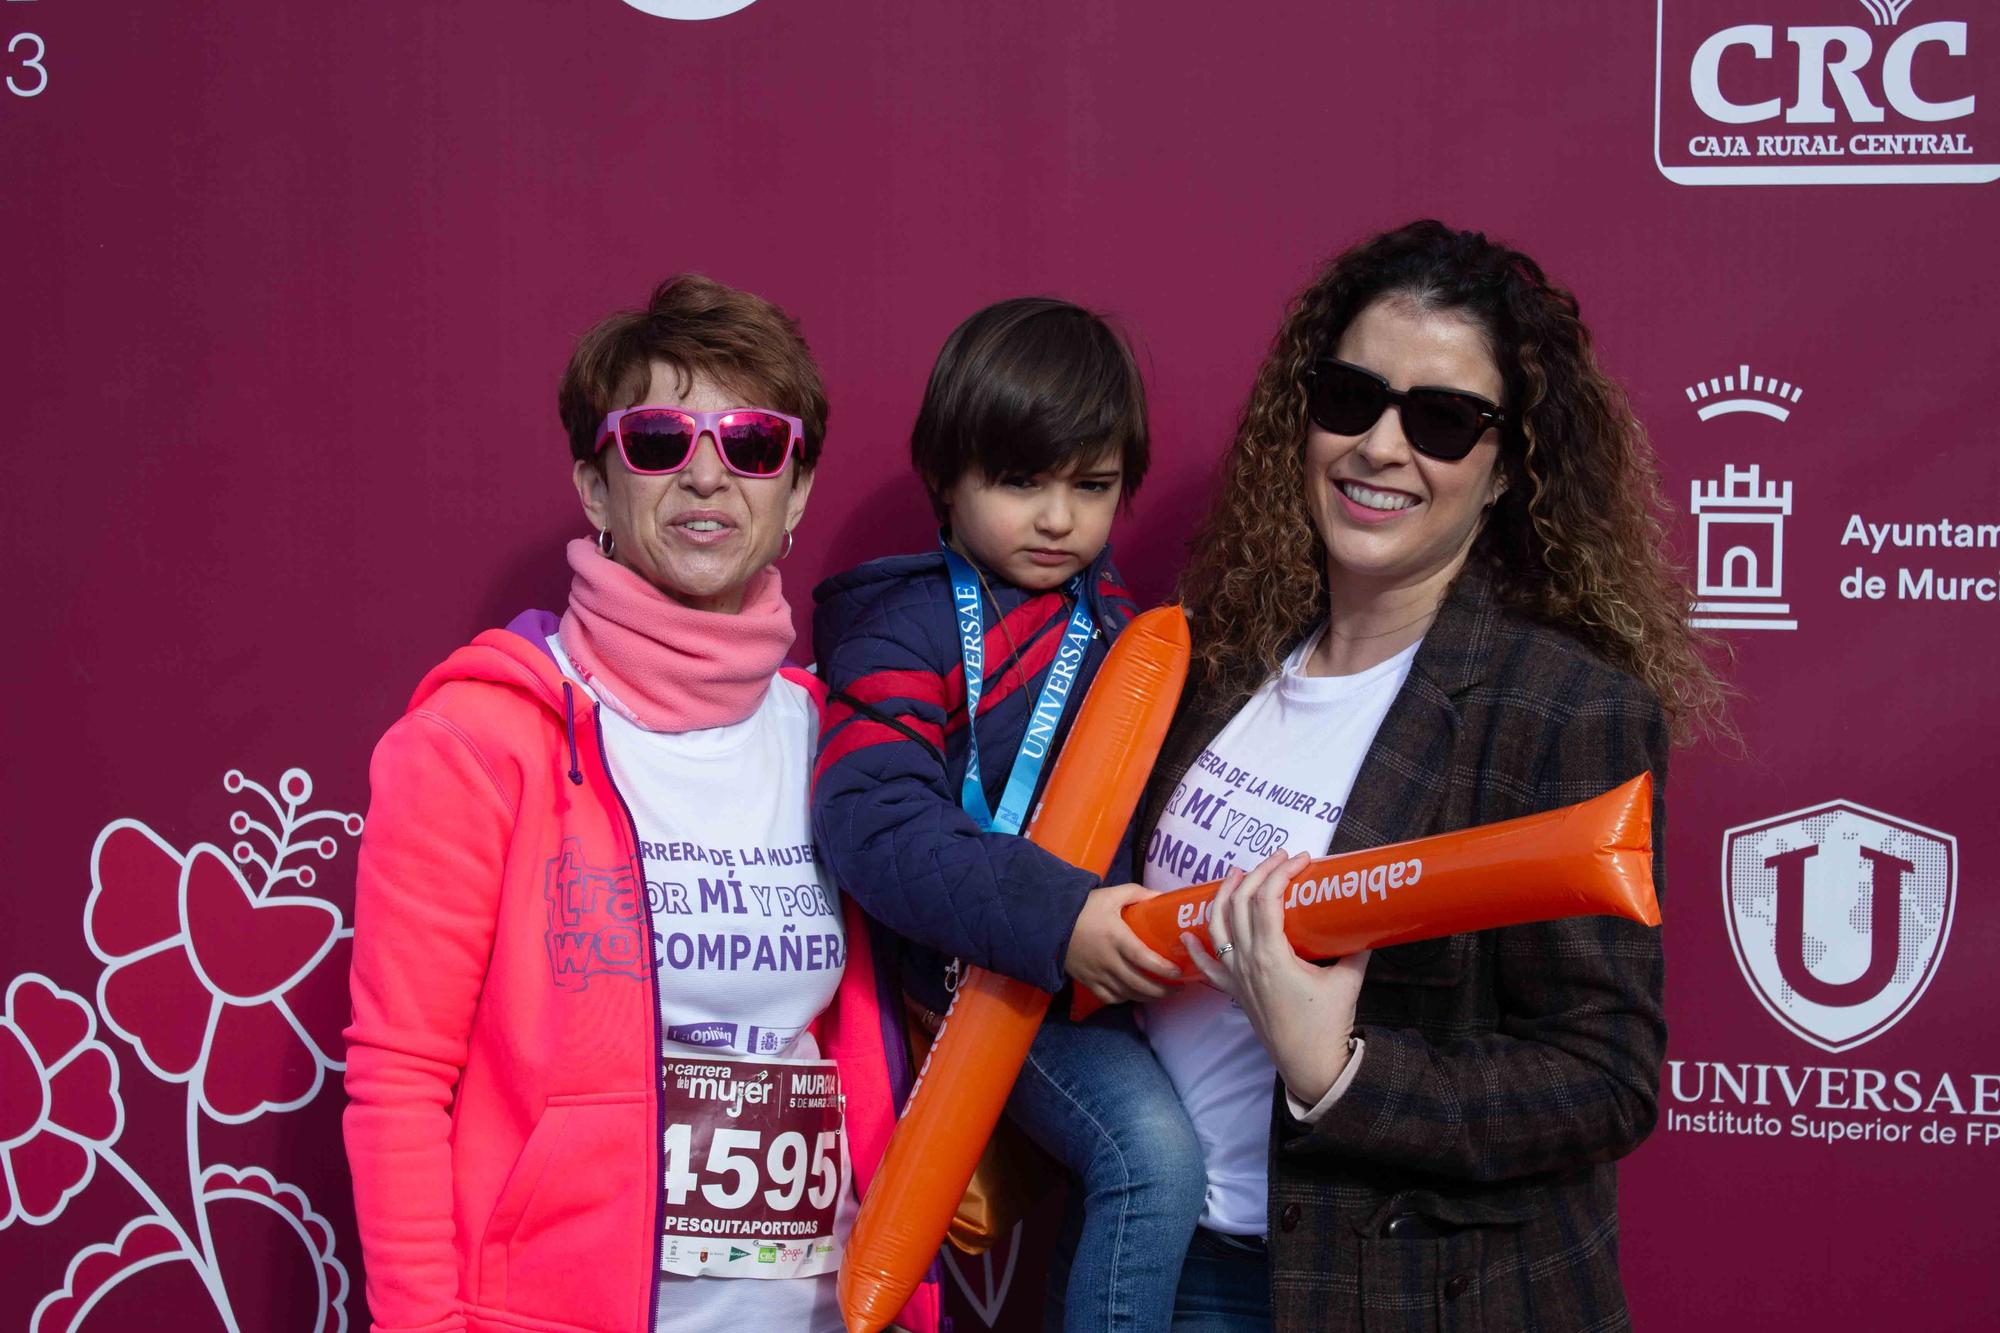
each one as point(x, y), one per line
point(1040, 736)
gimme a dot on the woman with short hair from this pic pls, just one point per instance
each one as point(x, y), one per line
point(618, 1060)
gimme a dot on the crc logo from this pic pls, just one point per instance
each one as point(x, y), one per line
point(1838, 915)
point(1800, 92)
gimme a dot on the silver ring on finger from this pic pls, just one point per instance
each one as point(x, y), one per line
point(1223, 950)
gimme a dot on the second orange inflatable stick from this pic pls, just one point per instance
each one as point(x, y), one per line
point(979, 1051)
point(1594, 858)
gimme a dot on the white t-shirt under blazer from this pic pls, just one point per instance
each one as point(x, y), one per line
point(1277, 776)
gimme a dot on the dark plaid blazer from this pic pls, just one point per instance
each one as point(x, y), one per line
point(1465, 1178)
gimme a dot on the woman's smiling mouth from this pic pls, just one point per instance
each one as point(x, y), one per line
point(1373, 503)
point(703, 526)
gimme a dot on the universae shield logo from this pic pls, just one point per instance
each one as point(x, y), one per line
point(1838, 915)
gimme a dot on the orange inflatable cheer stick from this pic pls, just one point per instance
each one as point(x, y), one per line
point(978, 1052)
point(1590, 859)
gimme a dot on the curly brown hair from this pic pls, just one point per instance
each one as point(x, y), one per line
point(1577, 540)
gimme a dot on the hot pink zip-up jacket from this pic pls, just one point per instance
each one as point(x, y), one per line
point(503, 1129)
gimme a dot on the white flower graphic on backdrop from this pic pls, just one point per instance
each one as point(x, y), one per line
point(226, 976)
point(58, 1099)
point(242, 993)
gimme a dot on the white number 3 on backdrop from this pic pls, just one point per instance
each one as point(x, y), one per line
point(33, 62)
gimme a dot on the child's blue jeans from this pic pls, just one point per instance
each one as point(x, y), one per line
point(1093, 1095)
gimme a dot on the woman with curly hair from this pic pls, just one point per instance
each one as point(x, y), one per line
point(1431, 594)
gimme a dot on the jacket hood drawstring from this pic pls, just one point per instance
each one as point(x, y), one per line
point(569, 718)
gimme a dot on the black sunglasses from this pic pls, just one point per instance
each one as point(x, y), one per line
point(1443, 423)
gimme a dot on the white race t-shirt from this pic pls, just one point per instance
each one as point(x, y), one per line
point(748, 932)
point(1277, 776)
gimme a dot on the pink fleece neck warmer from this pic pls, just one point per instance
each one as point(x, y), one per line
point(665, 666)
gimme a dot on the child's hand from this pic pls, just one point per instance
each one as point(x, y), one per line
point(1106, 957)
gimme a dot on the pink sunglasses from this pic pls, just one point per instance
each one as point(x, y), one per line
point(654, 441)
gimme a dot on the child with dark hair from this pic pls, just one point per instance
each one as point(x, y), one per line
point(948, 674)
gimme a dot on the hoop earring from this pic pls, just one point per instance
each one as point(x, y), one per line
point(604, 543)
point(788, 545)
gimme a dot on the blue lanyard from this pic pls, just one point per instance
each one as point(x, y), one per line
point(1039, 738)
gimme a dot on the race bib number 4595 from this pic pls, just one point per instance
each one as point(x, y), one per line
point(755, 1167)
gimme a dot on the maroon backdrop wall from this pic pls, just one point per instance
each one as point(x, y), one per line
point(288, 287)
